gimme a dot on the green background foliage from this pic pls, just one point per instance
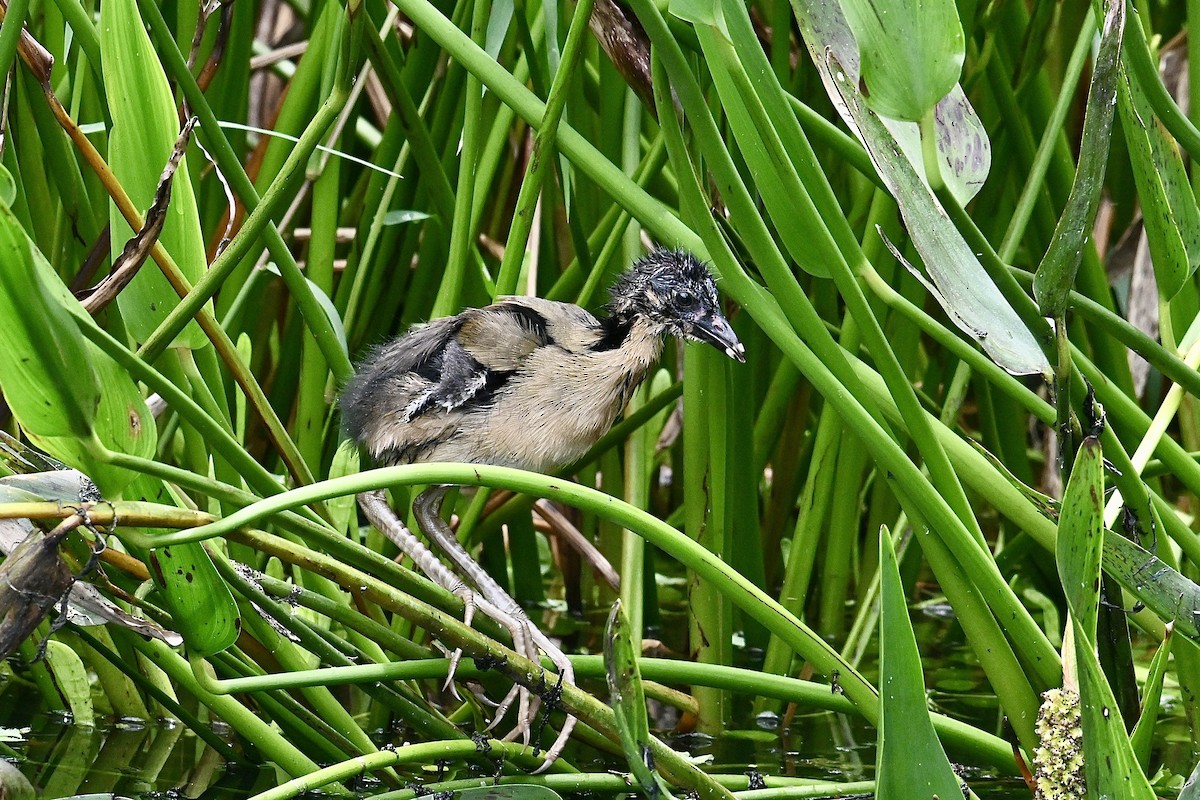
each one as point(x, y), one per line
point(876, 186)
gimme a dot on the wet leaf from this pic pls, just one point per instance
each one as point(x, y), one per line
point(910, 761)
point(1111, 767)
point(1169, 210)
point(1171, 595)
point(1056, 275)
point(70, 676)
point(1081, 536)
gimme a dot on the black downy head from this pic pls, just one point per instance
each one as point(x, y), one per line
point(671, 288)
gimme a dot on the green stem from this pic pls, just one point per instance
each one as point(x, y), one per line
point(462, 234)
point(543, 152)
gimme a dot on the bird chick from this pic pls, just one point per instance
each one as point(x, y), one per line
point(526, 383)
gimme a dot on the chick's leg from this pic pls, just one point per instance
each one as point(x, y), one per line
point(426, 508)
point(381, 515)
point(493, 601)
point(375, 505)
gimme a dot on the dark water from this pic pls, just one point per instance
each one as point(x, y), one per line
point(156, 761)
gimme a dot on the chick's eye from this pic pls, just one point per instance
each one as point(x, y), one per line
point(685, 300)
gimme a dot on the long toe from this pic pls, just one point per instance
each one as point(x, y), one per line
point(566, 677)
point(504, 705)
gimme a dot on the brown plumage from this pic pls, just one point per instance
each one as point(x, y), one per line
point(527, 382)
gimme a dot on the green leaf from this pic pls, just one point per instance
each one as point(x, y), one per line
point(1191, 788)
point(776, 178)
point(1056, 275)
point(145, 125)
point(1081, 536)
point(326, 304)
point(1109, 762)
point(1169, 209)
point(8, 188)
point(629, 701)
point(958, 281)
point(46, 370)
point(963, 288)
point(912, 53)
point(1162, 588)
point(202, 608)
point(70, 676)
point(1111, 767)
point(1143, 731)
point(910, 761)
point(697, 12)
point(52, 373)
point(123, 424)
point(769, 137)
point(963, 148)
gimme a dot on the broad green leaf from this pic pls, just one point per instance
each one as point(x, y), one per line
point(912, 53)
point(122, 424)
point(1111, 767)
point(958, 281)
point(70, 676)
point(629, 701)
point(1081, 536)
point(1056, 275)
point(46, 370)
point(909, 761)
point(145, 125)
point(49, 368)
point(201, 605)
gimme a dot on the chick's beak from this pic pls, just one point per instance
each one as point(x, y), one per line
point(714, 329)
